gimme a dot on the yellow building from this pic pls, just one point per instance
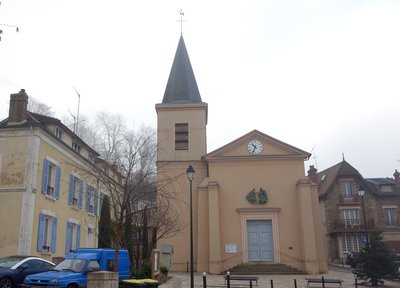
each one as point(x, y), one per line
point(251, 199)
point(49, 207)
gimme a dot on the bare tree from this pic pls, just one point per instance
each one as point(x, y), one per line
point(127, 172)
point(39, 107)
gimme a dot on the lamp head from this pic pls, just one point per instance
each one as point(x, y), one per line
point(190, 172)
point(361, 191)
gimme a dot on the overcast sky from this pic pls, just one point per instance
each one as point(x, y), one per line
point(323, 76)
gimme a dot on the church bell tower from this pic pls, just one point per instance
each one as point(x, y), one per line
point(182, 115)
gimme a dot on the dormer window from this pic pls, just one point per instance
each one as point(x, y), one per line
point(181, 136)
point(76, 147)
point(59, 133)
point(346, 188)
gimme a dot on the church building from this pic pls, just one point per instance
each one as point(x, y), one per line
point(251, 200)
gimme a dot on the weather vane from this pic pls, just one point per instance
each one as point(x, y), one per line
point(182, 14)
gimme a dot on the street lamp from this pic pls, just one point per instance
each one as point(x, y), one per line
point(190, 174)
point(361, 193)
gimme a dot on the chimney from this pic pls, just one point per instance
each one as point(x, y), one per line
point(18, 107)
point(396, 175)
point(312, 174)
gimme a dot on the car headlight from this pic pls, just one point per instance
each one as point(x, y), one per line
point(53, 281)
point(27, 279)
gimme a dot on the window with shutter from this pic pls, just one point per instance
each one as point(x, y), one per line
point(47, 233)
point(51, 179)
point(72, 240)
point(74, 194)
point(91, 199)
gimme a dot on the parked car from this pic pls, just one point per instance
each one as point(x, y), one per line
point(13, 269)
point(72, 271)
point(352, 259)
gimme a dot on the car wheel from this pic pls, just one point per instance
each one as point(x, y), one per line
point(6, 283)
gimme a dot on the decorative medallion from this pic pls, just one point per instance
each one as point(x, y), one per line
point(252, 196)
point(259, 197)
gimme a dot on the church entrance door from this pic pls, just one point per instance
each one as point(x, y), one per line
point(259, 239)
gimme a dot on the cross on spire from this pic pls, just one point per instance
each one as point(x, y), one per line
point(182, 14)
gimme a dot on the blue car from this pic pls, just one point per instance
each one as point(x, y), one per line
point(13, 269)
point(73, 271)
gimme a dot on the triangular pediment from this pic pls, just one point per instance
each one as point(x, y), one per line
point(265, 147)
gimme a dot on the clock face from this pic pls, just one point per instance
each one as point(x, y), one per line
point(254, 147)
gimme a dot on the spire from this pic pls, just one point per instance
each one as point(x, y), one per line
point(181, 87)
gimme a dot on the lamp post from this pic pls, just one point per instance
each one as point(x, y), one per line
point(361, 193)
point(190, 173)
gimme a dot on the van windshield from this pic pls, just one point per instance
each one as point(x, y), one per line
point(73, 265)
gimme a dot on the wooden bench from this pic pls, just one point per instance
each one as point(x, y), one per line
point(242, 278)
point(322, 281)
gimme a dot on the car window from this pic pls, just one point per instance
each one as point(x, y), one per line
point(10, 261)
point(94, 265)
point(34, 264)
point(75, 265)
point(48, 266)
point(110, 265)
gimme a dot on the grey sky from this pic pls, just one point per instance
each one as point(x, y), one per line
point(314, 74)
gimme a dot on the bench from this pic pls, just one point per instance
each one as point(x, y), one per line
point(322, 281)
point(242, 278)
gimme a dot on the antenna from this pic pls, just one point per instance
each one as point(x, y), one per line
point(315, 157)
point(77, 115)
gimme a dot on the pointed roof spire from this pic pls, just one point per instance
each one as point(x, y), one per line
point(181, 86)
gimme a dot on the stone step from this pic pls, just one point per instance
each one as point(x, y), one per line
point(264, 269)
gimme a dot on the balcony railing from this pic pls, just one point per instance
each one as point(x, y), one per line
point(355, 225)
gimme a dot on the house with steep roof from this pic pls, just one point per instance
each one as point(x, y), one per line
point(385, 209)
point(342, 208)
point(251, 200)
point(49, 207)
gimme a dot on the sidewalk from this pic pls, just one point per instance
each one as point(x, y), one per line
point(279, 281)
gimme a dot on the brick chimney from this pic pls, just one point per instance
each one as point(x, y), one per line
point(18, 107)
point(312, 174)
point(396, 175)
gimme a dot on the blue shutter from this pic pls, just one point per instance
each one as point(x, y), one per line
point(80, 193)
point(96, 200)
point(40, 233)
point(58, 182)
point(87, 197)
point(71, 189)
point(78, 236)
point(53, 234)
point(68, 239)
point(45, 175)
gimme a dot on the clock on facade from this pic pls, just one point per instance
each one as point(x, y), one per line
point(254, 147)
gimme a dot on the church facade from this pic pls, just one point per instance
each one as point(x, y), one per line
point(251, 199)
